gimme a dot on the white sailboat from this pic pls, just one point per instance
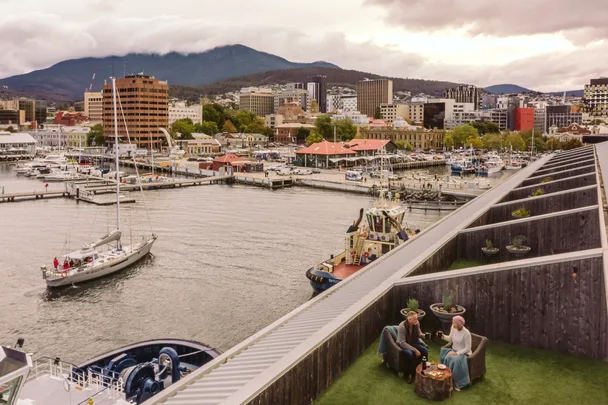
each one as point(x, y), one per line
point(104, 256)
point(512, 164)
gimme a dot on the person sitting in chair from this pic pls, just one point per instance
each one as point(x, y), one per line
point(455, 357)
point(408, 338)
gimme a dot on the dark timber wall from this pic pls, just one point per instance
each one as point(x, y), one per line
point(556, 176)
point(315, 373)
point(541, 306)
point(545, 204)
point(441, 260)
point(556, 234)
point(546, 171)
point(552, 187)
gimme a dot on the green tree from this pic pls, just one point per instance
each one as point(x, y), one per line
point(185, 127)
point(571, 144)
point(475, 142)
point(408, 146)
point(448, 141)
point(302, 135)
point(10, 129)
point(95, 136)
point(377, 114)
point(243, 119)
point(486, 127)
point(461, 133)
point(346, 130)
point(324, 126)
point(314, 137)
point(597, 121)
point(492, 141)
point(516, 141)
point(228, 126)
point(400, 145)
point(554, 144)
point(207, 127)
point(215, 114)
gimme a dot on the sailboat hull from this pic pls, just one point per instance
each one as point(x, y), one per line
point(103, 269)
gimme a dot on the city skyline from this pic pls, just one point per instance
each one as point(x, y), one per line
point(537, 44)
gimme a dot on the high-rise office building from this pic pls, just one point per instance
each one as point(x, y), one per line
point(464, 94)
point(320, 92)
point(596, 97)
point(145, 102)
point(371, 94)
point(93, 106)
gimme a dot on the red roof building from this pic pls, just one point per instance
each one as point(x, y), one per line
point(367, 147)
point(70, 118)
point(240, 164)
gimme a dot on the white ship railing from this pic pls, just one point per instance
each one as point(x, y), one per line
point(112, 385)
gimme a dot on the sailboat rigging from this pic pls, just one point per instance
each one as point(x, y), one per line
point(91, 262)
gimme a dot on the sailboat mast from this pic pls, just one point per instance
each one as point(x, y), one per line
point(116, 153)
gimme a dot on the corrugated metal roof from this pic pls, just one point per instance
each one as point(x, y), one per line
point(232, 382)
point(21, 137)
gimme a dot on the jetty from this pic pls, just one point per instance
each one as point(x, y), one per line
point(552, 298)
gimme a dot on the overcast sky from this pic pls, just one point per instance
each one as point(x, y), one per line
point(546, 45)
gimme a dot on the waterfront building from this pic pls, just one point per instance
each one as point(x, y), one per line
point(464, 94)
point(272, 120)
point(69, 118)
point(320, 154)
point(52, 135)
point(76, 136)
point(596, 98)
point(562, 115)
point(371, 94)
point(372, 147)
point(288, 133)
point(524, 119)
point(258, 101)
point(13, 144)
point(93, 106)
point(145, 102)
point(203, 146)
point(237, 163)
point(178, 110)
point(418, 137)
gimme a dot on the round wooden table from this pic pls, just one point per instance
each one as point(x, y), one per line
point(434, 387)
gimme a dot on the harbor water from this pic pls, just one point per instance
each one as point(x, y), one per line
point(228, 261)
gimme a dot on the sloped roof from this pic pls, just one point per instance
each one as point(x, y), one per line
point(326, 148)
point(367, 144)
point(229, 158)
point(21, 137)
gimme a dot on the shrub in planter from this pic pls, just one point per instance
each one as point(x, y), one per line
point(517, 246)
point(537, 193)
point(413, 305)
point(489, 249)
point(521, 213)
point(546, 180)
point(446, 310)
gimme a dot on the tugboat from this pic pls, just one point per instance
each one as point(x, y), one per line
point(129, 375)
point(364, 244)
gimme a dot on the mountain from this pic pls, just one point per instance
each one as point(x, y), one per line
point(339, 77)
point(507, 89)
point(68, 80)
point(569, 93)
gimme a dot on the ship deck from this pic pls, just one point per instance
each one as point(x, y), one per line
point(343, 270)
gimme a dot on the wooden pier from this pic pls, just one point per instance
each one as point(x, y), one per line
point(34, 195)
point(555, 298)
point(272, 184)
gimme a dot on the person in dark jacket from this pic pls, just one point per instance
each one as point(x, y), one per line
point(408, 338)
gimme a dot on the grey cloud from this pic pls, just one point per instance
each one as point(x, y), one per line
point(500, 18)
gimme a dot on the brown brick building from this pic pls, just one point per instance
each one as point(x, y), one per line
point(145, 102)
point(419, 139)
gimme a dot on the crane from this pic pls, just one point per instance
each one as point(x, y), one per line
point(92, 80)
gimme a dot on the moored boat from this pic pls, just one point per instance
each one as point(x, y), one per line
point(129, 375)
point(382, 233)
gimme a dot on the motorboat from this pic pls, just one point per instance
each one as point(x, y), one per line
point(62, 176)
point(129, 375)
point(462, 167)
point(493, 164)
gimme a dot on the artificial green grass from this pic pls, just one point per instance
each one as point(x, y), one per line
point(465, 264)
point(515, 375)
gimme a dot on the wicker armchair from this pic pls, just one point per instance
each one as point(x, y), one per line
point(395, 359)
point(477, 360)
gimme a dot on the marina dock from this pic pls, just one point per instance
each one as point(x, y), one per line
point(508, 298)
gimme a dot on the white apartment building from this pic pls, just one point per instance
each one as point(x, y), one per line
point(459, 114)
point(390, 112)
point(341, 102)
point(272, 120)
point(355, 116)
point(179, 111)
point(93, 106)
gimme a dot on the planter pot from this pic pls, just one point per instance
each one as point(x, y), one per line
point(520, 216)
point(520, 251)
point(420, 312)
point(446, 317)
point(490, 251)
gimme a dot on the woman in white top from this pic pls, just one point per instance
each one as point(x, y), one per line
point(455, 357)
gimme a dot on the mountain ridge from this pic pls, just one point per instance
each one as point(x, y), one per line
point(68, 79)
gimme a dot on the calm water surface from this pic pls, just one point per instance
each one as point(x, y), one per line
point(229, 260)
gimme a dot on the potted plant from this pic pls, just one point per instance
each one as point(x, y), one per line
point(520, 213)
point(446, 310)
point(537, 193)
point(546, 180)
point(517, 247)
point(489, 250)
point(412, 305)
